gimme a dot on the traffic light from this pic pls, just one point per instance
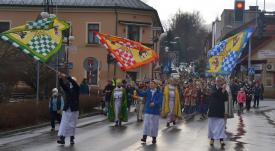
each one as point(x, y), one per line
point(261, 24)
point(239, 10)
point(110, 59)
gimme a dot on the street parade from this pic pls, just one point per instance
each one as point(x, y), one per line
point(113, 75)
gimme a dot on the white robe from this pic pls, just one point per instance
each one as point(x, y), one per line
point(140, 108)
point(117, 98)
point(151, 125)
point(216, 128)
point(68, 123)
point(170, 117)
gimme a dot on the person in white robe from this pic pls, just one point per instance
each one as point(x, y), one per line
point(152, 111)
point(70, 110)
point(216, 114)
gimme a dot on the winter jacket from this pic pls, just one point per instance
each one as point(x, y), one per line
point(241, 98)
point(156, 98)
point(71, 90)
point(217, 99)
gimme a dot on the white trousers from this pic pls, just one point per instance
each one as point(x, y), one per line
point(139, 110)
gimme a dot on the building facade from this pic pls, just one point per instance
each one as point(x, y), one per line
point(132, 19)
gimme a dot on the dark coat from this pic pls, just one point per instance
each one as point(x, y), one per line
point(216, 103)
point(108, 92)
point(71, 90)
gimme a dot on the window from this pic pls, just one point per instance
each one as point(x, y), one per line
point(91, 35)
point(4, 26)
point(133, 32)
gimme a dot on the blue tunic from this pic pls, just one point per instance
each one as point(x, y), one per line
point(156, 98)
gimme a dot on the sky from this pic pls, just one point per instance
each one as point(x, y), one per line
point(209, 9)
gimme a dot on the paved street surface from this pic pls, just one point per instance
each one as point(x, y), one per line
point(253, 131)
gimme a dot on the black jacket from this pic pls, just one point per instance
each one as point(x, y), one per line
point(216, 103)
point(71, 90)
point(108, 92)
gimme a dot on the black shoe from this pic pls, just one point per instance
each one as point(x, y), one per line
point(61, 140)
point(144, 138)
point(174, 122)
point(116, 123)
point(154, 141)
point(168, 125)
point(119, 123)
point(52, 129)
point(211, 143)
point(72, 140)
point(222, 143)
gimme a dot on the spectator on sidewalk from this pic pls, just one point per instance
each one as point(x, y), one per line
point(56, 105)
point(84, 87)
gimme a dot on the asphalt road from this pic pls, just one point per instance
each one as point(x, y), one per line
point(253, 131)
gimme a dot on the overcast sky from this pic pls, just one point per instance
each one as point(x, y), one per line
point(209, 9)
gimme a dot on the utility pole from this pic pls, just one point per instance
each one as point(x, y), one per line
point(37, 80)
point(264, 5)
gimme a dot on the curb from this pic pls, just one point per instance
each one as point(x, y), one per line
point(11, 132)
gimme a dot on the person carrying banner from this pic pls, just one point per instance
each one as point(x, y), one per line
point(71, 109)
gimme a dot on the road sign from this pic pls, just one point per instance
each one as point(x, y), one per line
point(251, 71)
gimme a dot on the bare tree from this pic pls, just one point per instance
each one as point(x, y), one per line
point(17, 66)
point(190, 29)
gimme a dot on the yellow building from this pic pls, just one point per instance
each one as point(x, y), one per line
point(132, 19)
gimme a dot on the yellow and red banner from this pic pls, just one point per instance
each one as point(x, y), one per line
point(127, 53)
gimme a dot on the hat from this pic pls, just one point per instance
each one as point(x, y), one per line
point(54, 90)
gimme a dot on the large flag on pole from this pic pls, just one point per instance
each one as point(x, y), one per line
point(40, 39)
point(127, 53)
point(224, 56)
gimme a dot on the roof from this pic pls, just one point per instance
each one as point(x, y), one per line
point(132, 4)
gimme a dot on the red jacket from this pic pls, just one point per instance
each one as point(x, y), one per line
point(241, 98)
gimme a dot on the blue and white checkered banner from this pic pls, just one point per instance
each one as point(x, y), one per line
point(224, 56)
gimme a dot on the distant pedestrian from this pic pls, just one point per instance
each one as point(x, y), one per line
point(203, 101)
point(249, 94)
point(153, 104)
point(108, 90)
point(129, 96)
point(84, 87)
point(234, 90)
point(241, 98)
point(216, 114)
point(71, 109)
point(257, 93)
point(56, 105)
